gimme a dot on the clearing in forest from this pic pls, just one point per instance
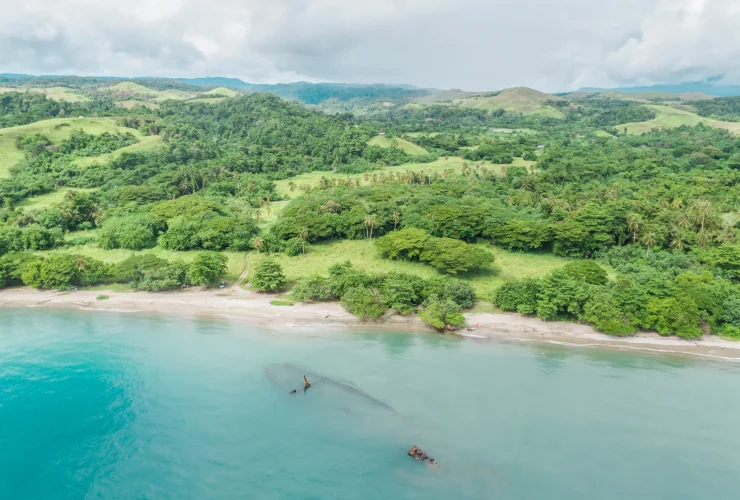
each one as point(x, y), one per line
point(364, 255)
point(668, 117)
point(312, 179)
point(518, 100)
point(56, 129)
point(50, 200)
point(402, 144)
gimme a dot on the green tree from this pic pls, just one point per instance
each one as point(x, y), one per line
point(455, 256)
point(207, 267)
point(268, 276)
point(674, 316)
point(443, 314)
point(587, 271)
point(364, 302)
point(518, 295)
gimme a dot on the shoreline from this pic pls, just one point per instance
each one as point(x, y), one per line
point(238, 304)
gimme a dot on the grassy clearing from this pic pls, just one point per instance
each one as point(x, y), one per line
point(406, 146)
point(49, 200)
point(452, 162)
point(222, 91)
point(145, 144)
point(363, 255)
point(61, 94)
point(56, 129)
point(667, 117)
point(54, 93)
point(130, 88)
point(519, 99)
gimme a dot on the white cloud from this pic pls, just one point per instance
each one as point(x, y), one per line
point(473, 44)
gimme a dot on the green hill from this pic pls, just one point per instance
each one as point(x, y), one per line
point(56, 129)
point(668, 117)
point(130, 88)
point(222, 91)
point(518, 99)
point(387, 142)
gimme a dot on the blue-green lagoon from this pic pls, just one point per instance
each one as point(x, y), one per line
point(124, 406)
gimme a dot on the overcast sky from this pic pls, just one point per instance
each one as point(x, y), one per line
point(471, 44)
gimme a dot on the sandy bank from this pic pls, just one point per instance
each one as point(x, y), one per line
point(236, 303)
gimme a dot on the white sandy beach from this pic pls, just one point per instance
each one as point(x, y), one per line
point(238, 304)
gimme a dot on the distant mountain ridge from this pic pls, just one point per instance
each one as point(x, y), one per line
point(707, 87)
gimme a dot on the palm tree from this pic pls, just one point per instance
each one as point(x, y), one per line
point(370, 223)
point(292, 186)
point(703, 238)
point(678, 240)
point(259, 217)
point(648, 240)
point(258, 244)
point(727, 235)
point(633, 224)
point(702, 209)
point(303, 235)
point(677, 203)
point(396, 216)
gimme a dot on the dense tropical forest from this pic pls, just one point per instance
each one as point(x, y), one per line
point(415, 208)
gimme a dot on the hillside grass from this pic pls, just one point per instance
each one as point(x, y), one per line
point(131, 88)
point(363, 255)
point(406, 146)
point(518, 100)
point(312, 179)
point(55, 93)
point(668, 117)
point(222, 91)
point(56, 129)
point(50, 199)
point(146, 143)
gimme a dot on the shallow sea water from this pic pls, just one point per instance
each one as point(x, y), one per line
point(109, 405)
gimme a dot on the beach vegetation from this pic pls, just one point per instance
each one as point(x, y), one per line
point(268, 276)
point(207, 268)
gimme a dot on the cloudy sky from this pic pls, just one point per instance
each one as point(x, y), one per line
point(471, 44)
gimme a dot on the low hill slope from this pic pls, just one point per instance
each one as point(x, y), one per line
point(518, 100)
point(406, 146)
point(668, 117)
point(56, 129)
point(222, 91)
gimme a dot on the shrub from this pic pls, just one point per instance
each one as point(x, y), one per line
point(12, 266)
point(443, 314)
point(134, 232)
point(674, 316)
point(315, 288)
point(607, 315)
point(518, 295)
point(402, 292)
point(293, 247)
point(60, 271)
point(343, 277)
point(454, 256)
point(268, 276)
point(453, 289)
point(562, 296)
point(404, 244)
point(364, 302)
point(587, 271)
point(207, 267)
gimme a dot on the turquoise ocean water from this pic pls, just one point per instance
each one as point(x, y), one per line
point(107, 405)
